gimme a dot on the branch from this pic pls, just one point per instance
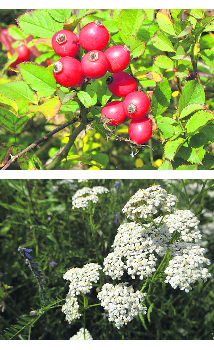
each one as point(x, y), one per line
point(13, 158)
point(66, 149)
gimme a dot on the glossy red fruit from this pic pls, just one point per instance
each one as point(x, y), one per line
point(140, 131)
point(94, 36)
point(67, 71)
point(114, 111)
point(136, 105)
point(65, 43)
point(94, 64)
point(119, 58)
point(121, 84)
point(23, 55)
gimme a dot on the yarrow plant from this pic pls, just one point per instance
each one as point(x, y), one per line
point(161, 243)
point(84, 196)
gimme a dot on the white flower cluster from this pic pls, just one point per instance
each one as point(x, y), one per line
point(70, 308)
point(146, 203)
point(121, 303)
point(82, 197)
point(80, 335)
point(135, 245)
point(187, 267)
point(80, 282)
point(81, 278)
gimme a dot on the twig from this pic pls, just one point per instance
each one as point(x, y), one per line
point(36, 143)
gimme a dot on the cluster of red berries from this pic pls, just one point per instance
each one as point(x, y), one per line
point(70, 72)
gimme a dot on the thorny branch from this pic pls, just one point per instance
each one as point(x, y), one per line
point(36, 143)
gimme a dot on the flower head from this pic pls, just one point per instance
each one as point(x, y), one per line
point(121, 302)
point(83, 197)
point(149, 202)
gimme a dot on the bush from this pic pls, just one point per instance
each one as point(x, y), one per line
point(38, 215)
point(171, 60)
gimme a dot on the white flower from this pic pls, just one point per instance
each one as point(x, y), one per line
point(81, 278)
point(186, 268)
point(148, 202)
point(80, 335)
point(121, 303)
point(70, 308)
point(85, 195)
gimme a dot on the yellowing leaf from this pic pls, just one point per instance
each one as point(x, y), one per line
point(49, 108)
point(165, 22)
point(149, 75)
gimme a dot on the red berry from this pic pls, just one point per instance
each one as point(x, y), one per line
point(48, 62)
point(121, 84)
point(114, 111)
point(65, 43)
point(140, 131)
point(94, 36)
point(136, 105)
point(67, 71)
point(23, 55)
point(94, 64)
point(119, 58)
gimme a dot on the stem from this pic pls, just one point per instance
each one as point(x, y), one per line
point(36, 143)
point(66, 149)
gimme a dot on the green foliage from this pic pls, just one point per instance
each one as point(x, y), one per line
point(37, 214)
point(171, 59)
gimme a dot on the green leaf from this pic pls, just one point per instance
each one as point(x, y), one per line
point(39, 23)
point(182, 28)
point(162, 42)
point(201, 25)
point(166, 165)
point(149, 311)
point(111, 26)
point(16, 32)
point(129, 21)
point(198, 120)
point(208, 132)
point(208, 162)
point(191, 154)
point(190, 109)
point(165, 22)
point(91, 89)
point(5, 151)
point(163, 62)
point(103, 93)
point(39, 78)
point(175, 13)
point(164, 124)
point(149, 14)
point(52, 238)
point(171, 147)
point(18, 91)
point(11, 123)
point(180, 53)
point(187, 167)
point(197, 155)
point(101, 158)
point(161, 97)
point(208, 57)
point(85, 98)
point(137, 46)
point(197, 13)
point(192, 92)
point(60, 15)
